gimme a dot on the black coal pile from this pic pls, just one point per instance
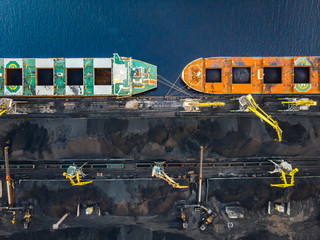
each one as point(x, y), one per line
point(162, 138)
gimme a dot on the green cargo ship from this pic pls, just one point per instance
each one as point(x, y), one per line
point(45, 77)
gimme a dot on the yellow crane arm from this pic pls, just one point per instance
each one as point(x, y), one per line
point(3, 111)
point(171, 181)
point(301, 102)
point(157, 172)
point(78, 177)
point(253, 107)
point(208, 104)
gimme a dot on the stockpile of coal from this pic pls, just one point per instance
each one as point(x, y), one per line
point(115, 197)
point(106, 233)
point(158, 138)
point(163, 138)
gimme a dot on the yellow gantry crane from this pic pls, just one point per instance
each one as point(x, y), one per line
point(74, 172)
point(247, 103)
point(193, 105)
point(298, 104)
point(158, 171)
point(285, 169)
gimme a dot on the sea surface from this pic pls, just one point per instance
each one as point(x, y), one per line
point(167, 33)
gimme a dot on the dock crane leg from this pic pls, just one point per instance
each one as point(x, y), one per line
point(8, 178)
point(200, 175)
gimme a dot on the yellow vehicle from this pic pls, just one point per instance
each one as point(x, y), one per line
point(207, 221)
point(27, 218)
point(247, 103)
point(283, 209)
point(158, 171)
point(74, 172)
point(184, 219)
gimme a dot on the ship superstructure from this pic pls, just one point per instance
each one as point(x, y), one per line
point(117, 76)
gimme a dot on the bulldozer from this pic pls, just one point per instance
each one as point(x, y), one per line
point(76, 172)
point(158, 171)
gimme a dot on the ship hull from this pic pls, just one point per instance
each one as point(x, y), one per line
point(255, 75)
point(84, 77)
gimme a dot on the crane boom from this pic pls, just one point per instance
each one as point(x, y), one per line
point(194, 105)
point(297, 104)
point(247, 102)
point(158, 171)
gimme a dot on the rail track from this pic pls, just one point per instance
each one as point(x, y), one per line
point(258, 167)
point(149, 107)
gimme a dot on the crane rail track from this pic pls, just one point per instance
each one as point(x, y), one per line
point(151, 107)
point(307, 166)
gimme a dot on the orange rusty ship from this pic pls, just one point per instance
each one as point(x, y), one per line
point(256, 75)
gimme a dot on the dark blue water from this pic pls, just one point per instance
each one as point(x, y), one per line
point(167, 33)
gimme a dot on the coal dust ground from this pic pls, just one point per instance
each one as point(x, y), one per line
point(147, 208)
point(158, 138)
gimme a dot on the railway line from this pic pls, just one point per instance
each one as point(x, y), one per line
point(256, 167)
point(149, 107)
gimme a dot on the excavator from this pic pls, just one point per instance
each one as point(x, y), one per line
point(184, 219)
point(297, 104)
point(193, 105)
point(285, 169)
point(207, 220)
point(158, 171)
point(76, 172)
point(247, 103)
